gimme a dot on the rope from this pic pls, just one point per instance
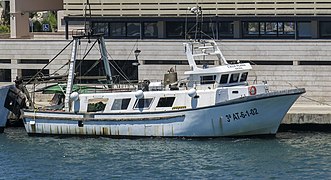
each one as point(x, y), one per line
point(311, 99)
point(120, 72)
point(50, 62)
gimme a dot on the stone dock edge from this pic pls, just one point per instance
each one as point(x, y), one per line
point(303, 117)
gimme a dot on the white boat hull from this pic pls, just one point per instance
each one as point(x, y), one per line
point(254, 115)
point(3, 110)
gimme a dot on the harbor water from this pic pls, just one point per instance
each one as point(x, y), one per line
point(287, 156)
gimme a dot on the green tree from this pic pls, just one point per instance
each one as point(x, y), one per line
point(5, 18)
point(51, 20)
point(5, 14)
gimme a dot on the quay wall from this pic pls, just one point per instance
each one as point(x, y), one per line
point(282, 63)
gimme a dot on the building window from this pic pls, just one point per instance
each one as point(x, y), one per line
point(252, 28)
point(32, 72)
point(269, 29)
point(325, 29)
point(166, 102)
point(304, 29)
point(93, 69)
point(100, 27)
point(5, 61)
point(121, 104)
point(33, 61)
point(289, 28)
point(150, 30)
point(175, 30)
point(5, 75)
point(117, 30)
point(225, 30)
point(209, 30)
point(133, 30)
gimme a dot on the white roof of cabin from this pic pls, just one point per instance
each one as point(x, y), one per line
point(225, 69)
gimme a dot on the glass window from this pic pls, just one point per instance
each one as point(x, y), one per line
point(280, 26)
point(117, 29)
point(262, 27)
point(289, 28)
point(32, 72)
point(133, 29)
point(207, 79)
point(166, 102)
point(271, 28)
point(304, 29)
point(243, 77)
point(95, 105)
point(143, 103)
point(225, 29)
point(5, 75)
point(120, 104)
point(234, 78)
point(224, 79)
point(175, 29)
point(209, 30)
point(5, 61)
point(101, 28)
point(33, 61)
point(150, 30)
point(253, 28)
point(325, 29)
point(190, 29)
point(89, 68)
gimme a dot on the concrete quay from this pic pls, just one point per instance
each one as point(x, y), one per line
point(307, 117)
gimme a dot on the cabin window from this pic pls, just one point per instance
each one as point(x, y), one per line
point(207, 79)
point(234, 78)
point(166, 102)
point(224, 79)
point(243, 77)
point(143, 103)
point(120, 104)
point(95, 105)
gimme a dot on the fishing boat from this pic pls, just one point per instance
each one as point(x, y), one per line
point(212, 102)
point(3, 111)
point(12, 100)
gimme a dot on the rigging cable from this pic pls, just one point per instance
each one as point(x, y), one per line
point(49, 62)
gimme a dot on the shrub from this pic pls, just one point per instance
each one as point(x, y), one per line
point(4, 29)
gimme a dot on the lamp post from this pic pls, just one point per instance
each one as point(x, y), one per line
point(136, 54)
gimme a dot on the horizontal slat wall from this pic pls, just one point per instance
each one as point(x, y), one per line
point(179, 7)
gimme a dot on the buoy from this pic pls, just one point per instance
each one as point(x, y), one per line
point(252, 90)
point(192, 92)
point(139, 94)
point(74, 96)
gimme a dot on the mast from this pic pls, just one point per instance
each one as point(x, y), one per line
point(71, 75)
point(104, 58)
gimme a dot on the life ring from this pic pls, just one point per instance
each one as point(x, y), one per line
point(252, 90)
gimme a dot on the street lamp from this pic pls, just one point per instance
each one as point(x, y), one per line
point(136, 54)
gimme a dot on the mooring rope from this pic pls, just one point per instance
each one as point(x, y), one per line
point(311, 99)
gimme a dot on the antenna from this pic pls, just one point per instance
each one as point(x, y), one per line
point(87, 27)
point(198, 20)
